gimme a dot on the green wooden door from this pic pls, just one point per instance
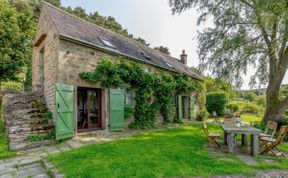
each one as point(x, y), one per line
point(192, 104)
point(116, 109)
point(65, 120)
point(180, 109)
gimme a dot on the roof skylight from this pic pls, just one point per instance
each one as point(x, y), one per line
point(144, 54)
point(168, 64)
point(107, 43)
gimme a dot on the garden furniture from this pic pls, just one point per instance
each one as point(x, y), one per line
point(231, 131)
point(211, 136)
point(271, 144)
point(270, 126)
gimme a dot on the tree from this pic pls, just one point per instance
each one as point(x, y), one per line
point(245, 32)
point(163, 49)
point(216, 85)
point(16, 35)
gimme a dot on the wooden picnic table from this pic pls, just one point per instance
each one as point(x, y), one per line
point(231, 131)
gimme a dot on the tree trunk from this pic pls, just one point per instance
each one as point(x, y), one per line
point(275, 107)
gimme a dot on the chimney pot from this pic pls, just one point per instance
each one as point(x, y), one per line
point(183, 57)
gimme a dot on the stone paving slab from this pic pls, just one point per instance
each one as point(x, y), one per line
point(31, 171)
point(64, 147)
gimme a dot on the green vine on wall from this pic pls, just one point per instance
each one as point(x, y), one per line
point(157, 87)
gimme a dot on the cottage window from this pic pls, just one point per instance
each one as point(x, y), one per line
point(129, 97)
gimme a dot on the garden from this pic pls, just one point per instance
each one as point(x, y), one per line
point(176, 152)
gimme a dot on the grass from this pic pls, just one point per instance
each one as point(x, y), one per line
point(248, 118)
point(251, 118)
point(178, 152)
point(4, 150)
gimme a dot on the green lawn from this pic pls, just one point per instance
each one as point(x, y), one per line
point(178, 152)
point(247, 118)
point(4, 151)
point(251, 118)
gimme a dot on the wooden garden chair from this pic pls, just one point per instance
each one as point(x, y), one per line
point(270, 126)
point(271, 144)
point(216, 118)
point(211, 136)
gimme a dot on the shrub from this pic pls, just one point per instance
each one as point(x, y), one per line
point(251, 108)
point(202, 116)
point(128, 112)
point(216, 102)
point(234, 107)
point(251, 96)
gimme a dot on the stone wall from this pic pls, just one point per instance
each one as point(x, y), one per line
point(25, 121)
point(50, 49)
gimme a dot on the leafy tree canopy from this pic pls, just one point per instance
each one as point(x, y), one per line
point(216, 85)
point(16, 35)
point(245, 33)
point(163, 49)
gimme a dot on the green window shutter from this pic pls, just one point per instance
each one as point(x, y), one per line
point(180, 110)
point(65, 120)
point(116, 105)
point(192, 104)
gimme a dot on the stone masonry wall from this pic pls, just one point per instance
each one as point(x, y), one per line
point(50, 47)
point(25, 121)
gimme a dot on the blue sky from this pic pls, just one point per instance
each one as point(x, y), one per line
point(153, 21)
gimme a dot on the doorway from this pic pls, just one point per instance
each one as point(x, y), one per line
point(88, 109)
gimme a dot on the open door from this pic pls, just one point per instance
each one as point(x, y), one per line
point(65, 122)
point(116, 105)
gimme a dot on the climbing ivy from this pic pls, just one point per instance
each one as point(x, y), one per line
point(153, 92)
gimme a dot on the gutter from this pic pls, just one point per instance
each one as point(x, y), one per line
point(114, 52)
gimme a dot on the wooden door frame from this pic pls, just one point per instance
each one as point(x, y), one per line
point(99, 100)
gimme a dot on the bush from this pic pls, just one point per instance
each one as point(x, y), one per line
point(251, 108)
point(251, 96)
point(202, 116)
point(216, 102)
point(234, 107)
point(128, 112)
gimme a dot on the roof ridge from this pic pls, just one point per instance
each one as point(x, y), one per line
point(105, 29)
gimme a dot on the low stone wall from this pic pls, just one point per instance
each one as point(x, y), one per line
point(28, 122)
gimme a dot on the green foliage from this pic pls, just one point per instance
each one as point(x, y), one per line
point(41, 137)
point(216, 102)
point(245, 34)
point(217, 85)
point(41, 106)
point(28, 79)
point(233, 107)
point(16, 34)
point(251, 96)
point(146, 86)
point(128, 112)
point(46, 116)
point(163, 49)
point(251, 108)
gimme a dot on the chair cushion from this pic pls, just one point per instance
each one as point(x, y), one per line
point(214, 135)
point(267, 139)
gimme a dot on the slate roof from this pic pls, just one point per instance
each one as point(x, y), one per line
point(75, 28)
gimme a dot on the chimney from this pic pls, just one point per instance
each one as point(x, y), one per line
point(183, 57)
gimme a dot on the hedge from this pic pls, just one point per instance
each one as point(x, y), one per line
point(216, 102)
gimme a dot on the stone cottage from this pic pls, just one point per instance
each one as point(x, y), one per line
point(65, 46)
